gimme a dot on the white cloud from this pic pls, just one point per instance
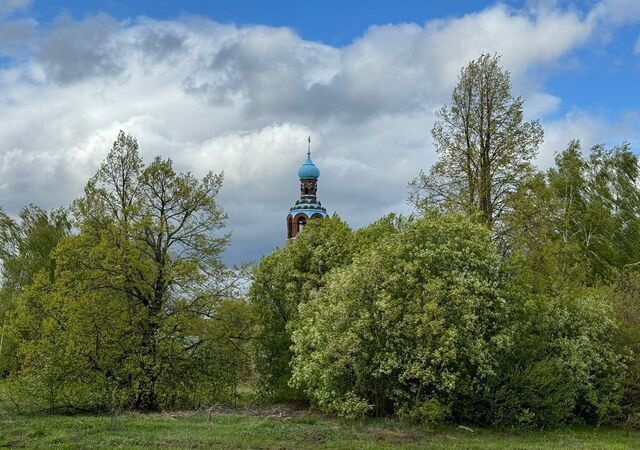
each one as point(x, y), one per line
point(636, 49)
point(591, 129)
point(10, 6)
point(243, 99)
point(617, 12)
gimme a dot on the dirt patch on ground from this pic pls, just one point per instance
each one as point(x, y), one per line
point(279, 411)
point(396, 437)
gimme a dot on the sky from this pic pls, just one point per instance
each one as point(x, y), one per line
point(238, 86)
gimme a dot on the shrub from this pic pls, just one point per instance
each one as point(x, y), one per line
point(281, 282)
point(413, 320)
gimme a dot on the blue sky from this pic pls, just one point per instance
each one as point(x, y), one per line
point(333, 22)
point(238, 86)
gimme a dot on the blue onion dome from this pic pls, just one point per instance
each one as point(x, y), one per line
point(308, 171)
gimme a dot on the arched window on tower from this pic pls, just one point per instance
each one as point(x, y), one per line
point(289, 227)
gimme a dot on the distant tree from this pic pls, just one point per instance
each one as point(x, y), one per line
point(27, 243)
point(484, 146)
point(579, 222)
point(26, 250)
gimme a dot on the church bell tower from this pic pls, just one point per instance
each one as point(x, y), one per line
point(308, 206)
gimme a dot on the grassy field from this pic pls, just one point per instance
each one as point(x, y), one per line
point(279, 428)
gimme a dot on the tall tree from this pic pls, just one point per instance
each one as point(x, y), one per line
point(137, 309)
point(485, 148)
point(151, 235)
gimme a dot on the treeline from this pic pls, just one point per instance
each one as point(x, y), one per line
point(511, 297)
point(425, 319)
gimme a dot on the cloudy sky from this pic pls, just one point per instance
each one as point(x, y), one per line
point(239, 87)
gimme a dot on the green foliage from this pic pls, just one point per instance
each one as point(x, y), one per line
point(429, 412)
point(26, 246)
point(485, 149)
point(625, 295)
point(140, 312)
point(65, 343)
point(281, 282)
point(415, 318)
point(579, 223)
point(562, 365)
point(222, 360)
point(432, 323)
point(287, 278)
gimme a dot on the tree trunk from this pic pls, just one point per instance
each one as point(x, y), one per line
point(146, 395)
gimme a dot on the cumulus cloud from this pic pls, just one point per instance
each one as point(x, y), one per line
point(243, 100)
point(391, 69)
point(75, 50)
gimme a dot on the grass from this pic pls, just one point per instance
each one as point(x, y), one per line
point(279, 427)
point(273, 429)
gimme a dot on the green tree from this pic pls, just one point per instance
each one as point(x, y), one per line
point(578, 223)
point(72, 346)
point(150, 235)
point(26, 244)
point(431, 322)
point(410, 327)
point(142, 312)
point(26, 247)
point(625, 293)
point(281, 282)
point(561, 364)
point(574, 227)
point(484, 146)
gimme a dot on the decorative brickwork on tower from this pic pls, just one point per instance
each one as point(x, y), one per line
point(308, 207)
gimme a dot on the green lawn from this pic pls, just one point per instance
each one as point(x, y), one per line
point(267, 429)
